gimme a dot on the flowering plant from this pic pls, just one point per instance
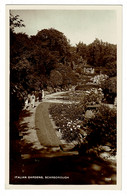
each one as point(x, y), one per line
point(93, 96)
point(98, 79)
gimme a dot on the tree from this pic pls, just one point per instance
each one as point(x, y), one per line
point(15, 21)
point(56, 41)
point(19, 44)
point(56, 78)
point(81, 50)
point(69, 77)
point(93, 53)
point(103, 55)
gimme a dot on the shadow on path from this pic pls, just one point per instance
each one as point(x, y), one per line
point(77, 170)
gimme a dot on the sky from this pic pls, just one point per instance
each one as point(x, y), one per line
point(77, 25)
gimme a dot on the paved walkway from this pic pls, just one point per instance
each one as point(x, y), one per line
point(56, 98)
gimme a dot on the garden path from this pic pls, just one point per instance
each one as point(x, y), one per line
point(56, 98)
point(42, 138)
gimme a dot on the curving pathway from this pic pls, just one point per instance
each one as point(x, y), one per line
point(38, 131)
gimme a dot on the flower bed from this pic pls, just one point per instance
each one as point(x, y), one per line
point(68, 119)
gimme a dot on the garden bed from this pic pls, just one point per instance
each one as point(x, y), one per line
point(74, 128)
point(68, 119)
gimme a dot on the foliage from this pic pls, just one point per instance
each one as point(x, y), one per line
point(43, 60)
point(82, 50)
point(103, 55)
point(16, 88)
point(54, 40)
point(109, 88)
point(110, 84)
point(56, 78)
point(69, 77)
point(100, 53)
point(73, 55)
point(92, 97)
point(16, 103)
point(32, 59)
point(98, 79)
point(15, 22)
point(19, 45)
point(101, 130)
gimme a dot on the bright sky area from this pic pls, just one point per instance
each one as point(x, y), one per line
point(77, 25)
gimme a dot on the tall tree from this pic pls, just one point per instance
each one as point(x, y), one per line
point(56, 41)
point(103, 55)
point(81, 50)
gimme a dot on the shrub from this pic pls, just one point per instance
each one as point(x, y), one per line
point(101, 129)
point(93, 96)
point(98, 79)
point(109, 88)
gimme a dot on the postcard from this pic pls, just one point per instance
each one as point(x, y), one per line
point(64, 99)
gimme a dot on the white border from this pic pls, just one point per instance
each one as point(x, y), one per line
point(2, 86)
point(64, 7)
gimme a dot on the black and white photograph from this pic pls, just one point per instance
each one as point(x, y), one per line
point(64, 98)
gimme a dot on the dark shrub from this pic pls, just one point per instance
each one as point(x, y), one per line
point(101, 129)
